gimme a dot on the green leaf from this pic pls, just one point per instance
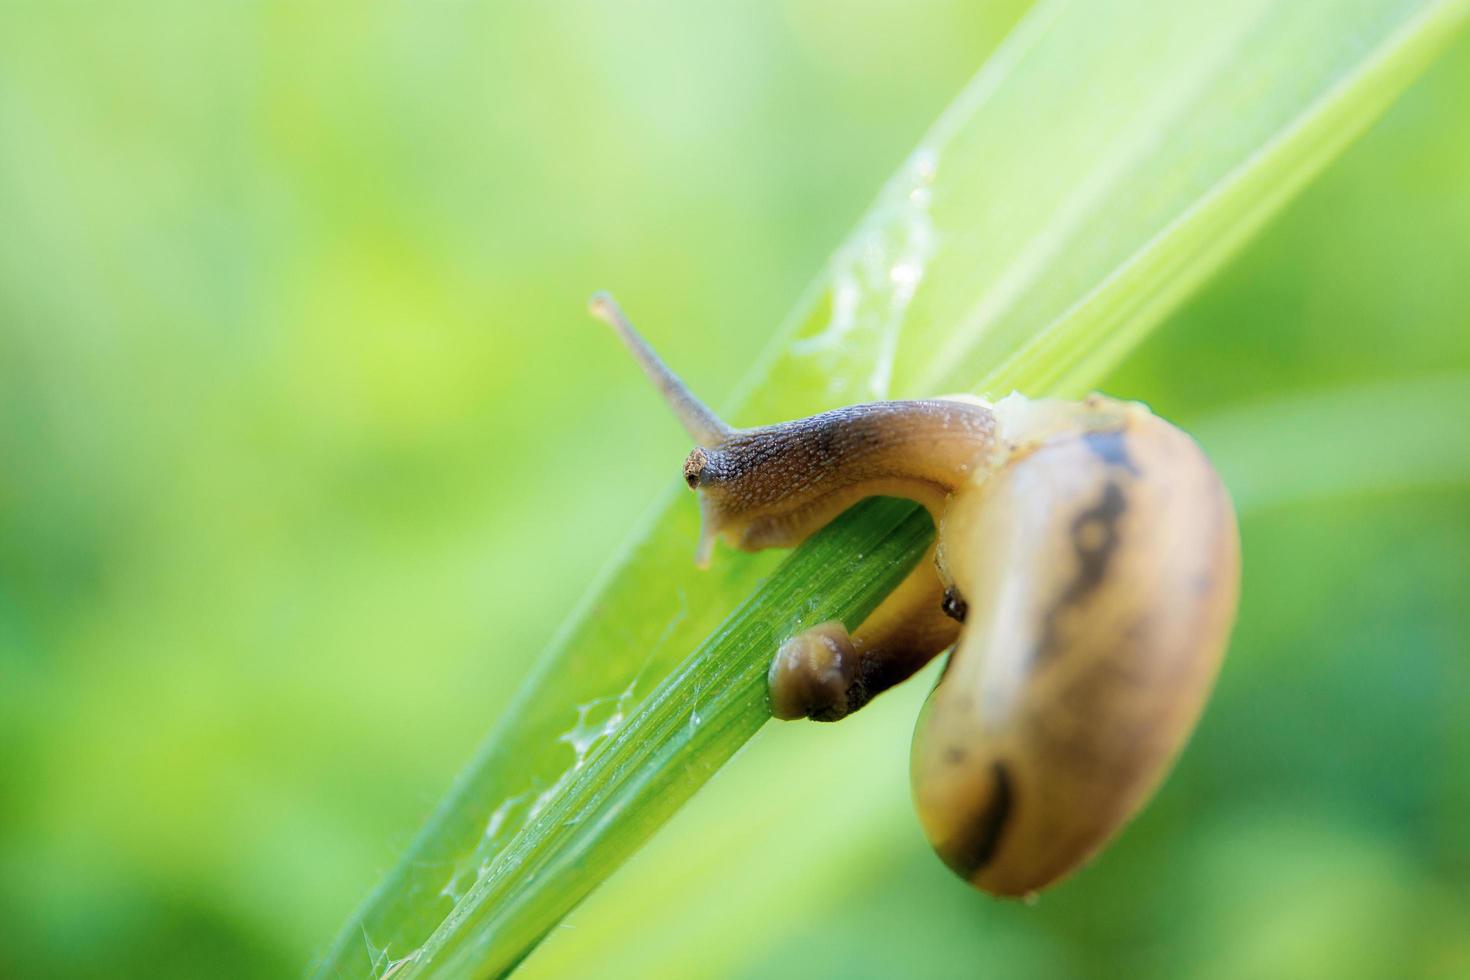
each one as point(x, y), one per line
point(1099, 167)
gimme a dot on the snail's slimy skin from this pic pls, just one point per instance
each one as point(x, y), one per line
point(1086, 574)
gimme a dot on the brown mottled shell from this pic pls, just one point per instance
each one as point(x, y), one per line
point(1100, 571)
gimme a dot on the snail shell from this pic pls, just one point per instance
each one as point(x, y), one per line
point(1099, 571)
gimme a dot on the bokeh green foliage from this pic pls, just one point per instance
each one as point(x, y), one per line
point(307, 448)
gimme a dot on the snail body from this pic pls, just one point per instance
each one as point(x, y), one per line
point(1085, 572)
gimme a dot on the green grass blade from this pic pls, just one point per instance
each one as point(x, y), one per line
point(1101, 165)
point(686, 729)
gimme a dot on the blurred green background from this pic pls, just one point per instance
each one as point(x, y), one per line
point(306, 449)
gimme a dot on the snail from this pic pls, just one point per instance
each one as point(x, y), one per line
point(1085, 572)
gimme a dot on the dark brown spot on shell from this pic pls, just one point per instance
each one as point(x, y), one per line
point(976, 850)
point(1094, 540)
